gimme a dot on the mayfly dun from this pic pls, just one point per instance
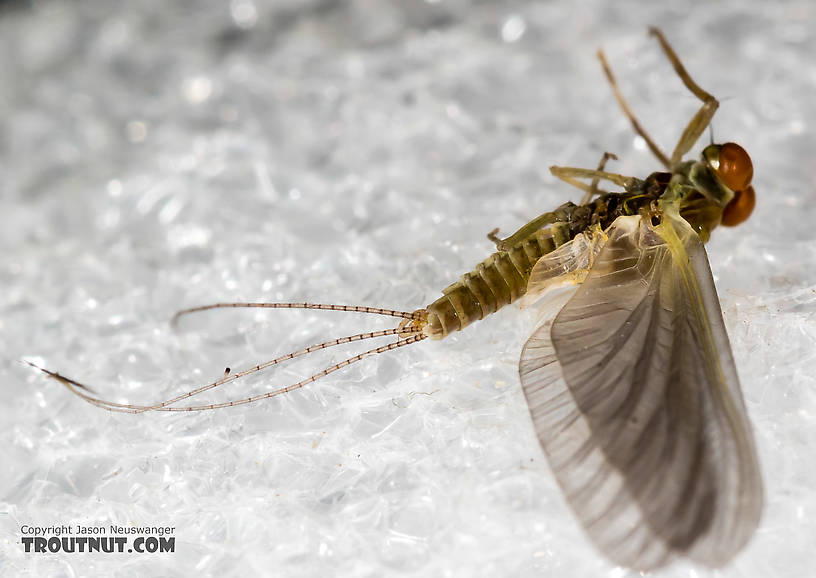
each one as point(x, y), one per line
point(632, 387)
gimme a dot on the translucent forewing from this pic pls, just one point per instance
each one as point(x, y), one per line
point(635, 399)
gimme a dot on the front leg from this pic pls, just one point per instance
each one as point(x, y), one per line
point(703, 116)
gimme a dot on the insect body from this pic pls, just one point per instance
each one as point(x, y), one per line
point(504, 277)
point(632, 387)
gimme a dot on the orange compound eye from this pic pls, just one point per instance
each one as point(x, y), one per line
point(740, 207)
point(735, 167)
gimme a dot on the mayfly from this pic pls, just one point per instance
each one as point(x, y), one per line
point(632, 387)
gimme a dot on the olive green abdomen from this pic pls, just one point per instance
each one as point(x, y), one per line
point(497, 281)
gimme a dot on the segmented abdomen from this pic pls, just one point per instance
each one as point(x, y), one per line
point(498, 280)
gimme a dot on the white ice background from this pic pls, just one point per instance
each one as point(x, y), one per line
point(157, 155)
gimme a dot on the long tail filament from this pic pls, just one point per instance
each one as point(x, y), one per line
point(408, 332)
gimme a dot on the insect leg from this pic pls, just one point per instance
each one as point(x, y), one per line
point(703, 116)
point(661, 156)
point(572, 174)
point(525, 231)
point(593, 186)
point(494, 236)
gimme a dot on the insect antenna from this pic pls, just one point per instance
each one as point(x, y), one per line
point(406, 335)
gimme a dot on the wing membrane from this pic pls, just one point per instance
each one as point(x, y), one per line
point(635, 399)
point(566, 265)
